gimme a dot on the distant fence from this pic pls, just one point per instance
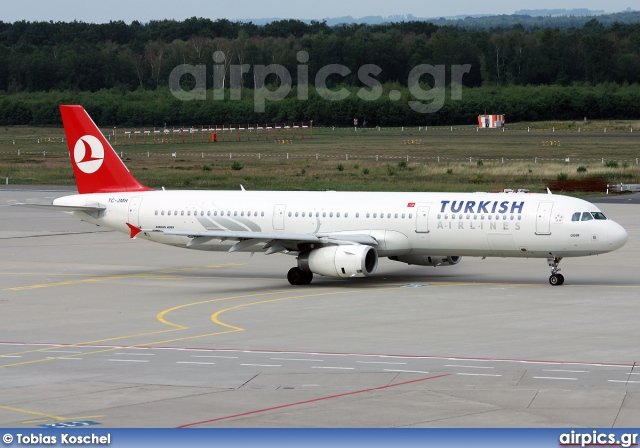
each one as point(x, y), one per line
point(211, 134)
point(293, 131)
point(605, 161)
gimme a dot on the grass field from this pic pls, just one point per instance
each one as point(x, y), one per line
point(412, 159)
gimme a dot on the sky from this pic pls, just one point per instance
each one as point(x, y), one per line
point(144, 10)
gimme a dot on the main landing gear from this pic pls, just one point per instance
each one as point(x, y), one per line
point(297, 276)
point(555, 279)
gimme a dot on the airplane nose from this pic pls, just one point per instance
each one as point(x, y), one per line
point(617, 236)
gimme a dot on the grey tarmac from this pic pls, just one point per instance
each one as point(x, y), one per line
point(125, 333)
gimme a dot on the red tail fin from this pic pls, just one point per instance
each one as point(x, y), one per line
point(96, 166)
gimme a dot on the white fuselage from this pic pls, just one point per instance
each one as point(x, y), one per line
point(404, 224)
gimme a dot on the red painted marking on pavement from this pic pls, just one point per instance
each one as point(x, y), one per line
point(244, 414)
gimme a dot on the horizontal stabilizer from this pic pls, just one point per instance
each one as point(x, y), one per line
point(65, 208)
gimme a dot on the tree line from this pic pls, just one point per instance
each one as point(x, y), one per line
point(41, 56)
point(121, 71)
point(157, 108)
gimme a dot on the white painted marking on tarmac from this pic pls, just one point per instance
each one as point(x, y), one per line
point(337, 368)
point(193, 362)
point(136, 354)
point(214, 356)
point(403, 371)
point(553, 378)
point(476, 374)
point(262, 365)
point(468, 367)
point(618, 381)
point(382, 362)
point(65, 359)
point(128, 360)
point(569, 371)
point(10, 356)
point(297, 359)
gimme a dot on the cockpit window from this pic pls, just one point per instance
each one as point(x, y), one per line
point(586, 216)
point(576, 216)
point(599, 215)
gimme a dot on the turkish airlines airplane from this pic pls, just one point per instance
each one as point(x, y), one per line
point(336, 234)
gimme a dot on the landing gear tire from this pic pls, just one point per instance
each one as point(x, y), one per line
point(297, 276)
point(556, 279)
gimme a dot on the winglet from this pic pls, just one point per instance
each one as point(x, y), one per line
point(134, 230)
point(548, 191)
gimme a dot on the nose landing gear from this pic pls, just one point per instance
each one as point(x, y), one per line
point(555, 279)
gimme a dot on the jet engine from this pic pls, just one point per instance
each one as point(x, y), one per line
point(340, 261)
point(425, 260)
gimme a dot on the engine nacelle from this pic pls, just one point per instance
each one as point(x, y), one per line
point(425, 260)
point(340, 261)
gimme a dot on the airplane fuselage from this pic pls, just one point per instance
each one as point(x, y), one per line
point(403, 224)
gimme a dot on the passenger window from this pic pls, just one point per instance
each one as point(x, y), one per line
point(262, 214)
point(403, 216)
point(324, 214)
point(357, 215)
point(331, 215)
point(576, 216)
point(346, 215)
point(156, 212)
point(296, 214)
point(410, 215)
point(338, 215)
point(375, 215)
point(367, 215)
point(586, 216)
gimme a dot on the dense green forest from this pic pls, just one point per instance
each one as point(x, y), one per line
point(122, 71)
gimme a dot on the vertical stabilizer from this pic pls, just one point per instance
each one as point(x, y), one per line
point(96, 166)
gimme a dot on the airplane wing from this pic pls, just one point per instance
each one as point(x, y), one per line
point(276, 242)
point(64, 208)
